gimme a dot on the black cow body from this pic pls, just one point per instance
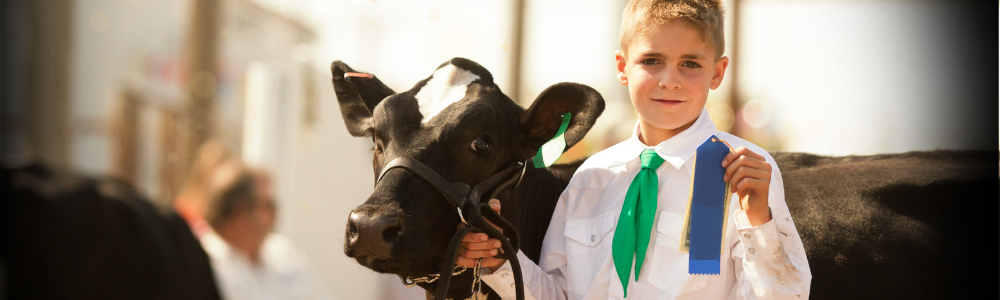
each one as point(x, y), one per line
point(917, 225)
point(67, 236)
point(874, 227)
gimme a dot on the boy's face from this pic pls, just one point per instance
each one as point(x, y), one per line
point(669, 71)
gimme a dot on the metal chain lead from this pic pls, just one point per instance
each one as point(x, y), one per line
point(410, 282)
point(477, 279)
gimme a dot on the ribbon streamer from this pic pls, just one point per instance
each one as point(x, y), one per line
point(707, 211)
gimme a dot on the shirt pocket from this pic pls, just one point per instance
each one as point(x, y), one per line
point(669, 268)
point(588, 243)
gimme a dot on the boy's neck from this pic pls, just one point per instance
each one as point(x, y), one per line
point(651, 135)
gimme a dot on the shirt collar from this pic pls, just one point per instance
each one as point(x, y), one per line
point(675, 150)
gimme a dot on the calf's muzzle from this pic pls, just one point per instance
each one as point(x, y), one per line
point(370, 233)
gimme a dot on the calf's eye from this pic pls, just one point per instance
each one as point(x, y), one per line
point(480, 145)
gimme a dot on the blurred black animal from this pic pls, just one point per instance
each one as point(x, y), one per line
point(915, 225)
point(67, 236)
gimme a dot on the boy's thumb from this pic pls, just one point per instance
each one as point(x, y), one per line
point(495, 205)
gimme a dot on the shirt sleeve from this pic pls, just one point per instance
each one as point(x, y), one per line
point(544, 280)
point(771, 261)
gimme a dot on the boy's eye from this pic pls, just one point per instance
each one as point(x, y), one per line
point(690, 64)
point(649, 61)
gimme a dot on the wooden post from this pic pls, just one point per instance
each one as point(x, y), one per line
point(739, 125)
point(515, 53)
point(49, 45)
point(202, 52)
point(125, 137)
point(173, 160)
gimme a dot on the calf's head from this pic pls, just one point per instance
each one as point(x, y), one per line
point(458, 123)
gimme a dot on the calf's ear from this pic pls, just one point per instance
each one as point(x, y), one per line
point(542, 120)
point(358, 94)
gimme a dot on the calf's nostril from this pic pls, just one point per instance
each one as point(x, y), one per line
point(352, 232)
point(391, 232)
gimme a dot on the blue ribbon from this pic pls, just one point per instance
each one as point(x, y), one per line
point(708, 202)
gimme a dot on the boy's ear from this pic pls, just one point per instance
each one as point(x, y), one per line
point(620, 68)
point(542, 120)
point(719, 71)
point(358, 94)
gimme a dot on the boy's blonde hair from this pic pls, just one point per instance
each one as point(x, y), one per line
point(704, 15)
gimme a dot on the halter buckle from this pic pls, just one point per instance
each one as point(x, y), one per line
point(459, 210)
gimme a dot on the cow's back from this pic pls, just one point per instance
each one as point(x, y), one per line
point(895, 226)
point(73, 237)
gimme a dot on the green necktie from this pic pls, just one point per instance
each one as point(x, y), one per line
point(636, 220)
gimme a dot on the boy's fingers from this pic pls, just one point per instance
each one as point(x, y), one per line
point(466, 262)
point(745, 172)
point(740, 160)
point(744, 183)
point(476, 254)
point(491, 244)
point(495, 205)
point(753, 186)
point(474, 237)
point(747, 152)
point(745, 165)
point(741, 151)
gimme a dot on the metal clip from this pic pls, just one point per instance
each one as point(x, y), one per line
point(459, 209)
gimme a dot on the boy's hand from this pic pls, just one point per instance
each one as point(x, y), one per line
point(476, 245)
point(749, 176)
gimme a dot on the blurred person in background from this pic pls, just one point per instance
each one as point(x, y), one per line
point(190, 204)
point(249, 260)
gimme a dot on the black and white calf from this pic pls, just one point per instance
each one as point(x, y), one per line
point(458, 123)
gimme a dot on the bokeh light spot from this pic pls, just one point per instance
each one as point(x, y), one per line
point(757, 113)
point(434, 15)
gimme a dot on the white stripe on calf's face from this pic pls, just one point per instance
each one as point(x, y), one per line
point(446, 86)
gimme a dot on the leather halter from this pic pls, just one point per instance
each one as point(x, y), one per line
point(466, 201)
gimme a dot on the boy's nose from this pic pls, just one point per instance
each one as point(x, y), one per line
point(670, 80)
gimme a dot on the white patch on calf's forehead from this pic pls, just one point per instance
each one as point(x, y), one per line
point(446, 86)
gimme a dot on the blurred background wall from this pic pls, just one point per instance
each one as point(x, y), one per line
point(130, 87)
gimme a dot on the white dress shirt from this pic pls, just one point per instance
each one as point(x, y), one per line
point(762, 262)
point(282, 273)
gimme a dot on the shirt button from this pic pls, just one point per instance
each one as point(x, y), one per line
point(512, 285)
point(593, 238)
point(503, 275)
point(750, 250)
point(746, 235)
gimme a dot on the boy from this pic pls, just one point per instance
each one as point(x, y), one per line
point(671, 55)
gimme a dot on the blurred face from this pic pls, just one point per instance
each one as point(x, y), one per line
point(669, 71)
point(265, 210)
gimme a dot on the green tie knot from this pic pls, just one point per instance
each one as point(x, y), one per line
point(650, 160)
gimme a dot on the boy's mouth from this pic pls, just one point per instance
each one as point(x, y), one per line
point(668, 101)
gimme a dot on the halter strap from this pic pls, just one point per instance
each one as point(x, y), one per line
point(454, 192)
point(461, 196)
